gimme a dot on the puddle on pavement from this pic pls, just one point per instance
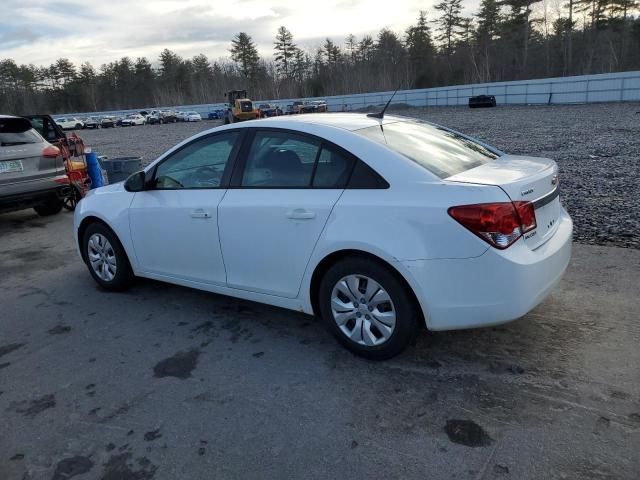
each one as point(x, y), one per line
point(180, 365)
point(468, 433)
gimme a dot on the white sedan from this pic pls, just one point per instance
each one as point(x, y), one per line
point(192, 117)
point(132, 120)
point(378, 226)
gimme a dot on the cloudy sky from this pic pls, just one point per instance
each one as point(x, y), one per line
point(99, 31)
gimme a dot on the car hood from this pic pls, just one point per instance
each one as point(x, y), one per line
point(108, 189)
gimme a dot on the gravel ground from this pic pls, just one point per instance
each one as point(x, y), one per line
point(596, 146)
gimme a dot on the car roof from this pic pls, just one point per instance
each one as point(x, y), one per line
point(345, 121)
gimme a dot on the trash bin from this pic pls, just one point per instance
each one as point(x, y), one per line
point(120, 168)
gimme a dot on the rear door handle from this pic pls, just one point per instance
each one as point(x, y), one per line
point(200, 213)
point(300, 214)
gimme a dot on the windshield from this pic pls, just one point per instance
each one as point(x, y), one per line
point(443, 152)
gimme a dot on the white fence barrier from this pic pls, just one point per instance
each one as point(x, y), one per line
point(606, 87)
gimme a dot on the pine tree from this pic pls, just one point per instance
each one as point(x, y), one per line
point(420, 50)
point(488, 20)
point(331, 52)
point(245, 54)
point(449, 22)
point(285, 52)
point(520, 19)
point(366, 47)
point(351, 47)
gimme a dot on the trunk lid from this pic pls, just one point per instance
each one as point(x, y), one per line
point(523, 179)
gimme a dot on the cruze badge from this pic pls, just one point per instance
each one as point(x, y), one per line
point(526, 192)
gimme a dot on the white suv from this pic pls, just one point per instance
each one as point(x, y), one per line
point(70, 123)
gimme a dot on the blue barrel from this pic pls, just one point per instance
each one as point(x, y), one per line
point(94, 170)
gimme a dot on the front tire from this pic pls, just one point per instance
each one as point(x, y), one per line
point(367, 308)
point(106, 259)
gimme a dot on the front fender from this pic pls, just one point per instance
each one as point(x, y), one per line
point(109, 204)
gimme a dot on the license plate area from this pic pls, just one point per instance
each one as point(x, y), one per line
point(11, 166)
point(547, 216)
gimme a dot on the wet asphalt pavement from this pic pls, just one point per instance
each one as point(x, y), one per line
point(163, 382)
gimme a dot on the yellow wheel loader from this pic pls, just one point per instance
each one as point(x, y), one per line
point(240, 107)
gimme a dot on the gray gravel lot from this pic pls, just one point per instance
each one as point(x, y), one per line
point(596, 146)
point(167, 383)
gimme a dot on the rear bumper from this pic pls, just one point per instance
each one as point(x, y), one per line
point(494, 288)
point(29, 194)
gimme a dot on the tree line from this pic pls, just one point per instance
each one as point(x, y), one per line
point(504, 40)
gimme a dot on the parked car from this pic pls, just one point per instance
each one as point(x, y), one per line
point(269, 110)
point(320, 106)
point(294, 108)
point(69, 123)
point(153, 118)
point(315, 106)
point(108, 122)
point(32, 173)
point(132, 120)
point(181, 116)
point(216, 115)
point(92, 122)
point(169, 116)
point(376, 231)
point(193, 117)
point(482, 101)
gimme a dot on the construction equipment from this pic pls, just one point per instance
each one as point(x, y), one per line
point(240, 107)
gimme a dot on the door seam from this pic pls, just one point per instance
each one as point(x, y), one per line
point(315, 245)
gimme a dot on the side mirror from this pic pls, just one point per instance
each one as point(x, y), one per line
point(136, 182)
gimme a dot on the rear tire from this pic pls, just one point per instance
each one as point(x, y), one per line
point(106, 259)
point(50, 208)
point(381, 322)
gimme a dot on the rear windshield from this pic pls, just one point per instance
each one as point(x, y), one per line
point(442, 152)
point(17, 131)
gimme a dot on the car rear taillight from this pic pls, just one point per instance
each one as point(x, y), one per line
point(527, 215)
point(50, 152)
point(499, 224)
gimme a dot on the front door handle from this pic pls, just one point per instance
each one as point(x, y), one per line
point(200, 213)
point(300, 214)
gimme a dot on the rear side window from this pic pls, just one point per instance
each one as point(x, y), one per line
point(17, 131)
point(364, 177)
point(285, 159)
point(280, 159)
point(332, 170)
point(442, 152)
